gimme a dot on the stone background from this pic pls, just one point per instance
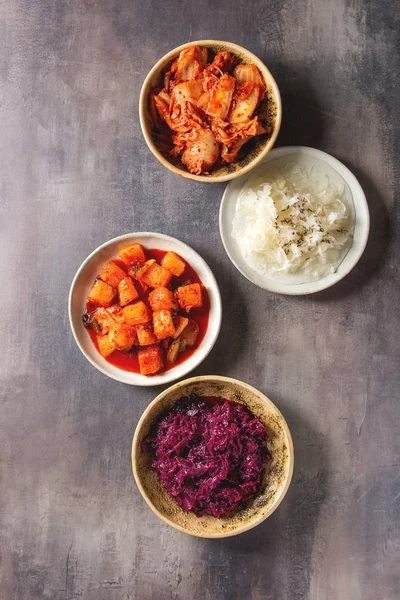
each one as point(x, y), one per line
point(75, 172)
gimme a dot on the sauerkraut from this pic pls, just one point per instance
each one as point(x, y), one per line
point(293, 222)
point(210, 454)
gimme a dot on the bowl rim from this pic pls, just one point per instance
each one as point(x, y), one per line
point(143, 107)
point(363, 227)
point(167, 376)
point(217, 378)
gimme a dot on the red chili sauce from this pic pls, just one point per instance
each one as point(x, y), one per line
point(128, 361)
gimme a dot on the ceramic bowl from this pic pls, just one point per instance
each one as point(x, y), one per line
point(330, 168)
point(83, 282)
point(276, 480)
point(270, 112)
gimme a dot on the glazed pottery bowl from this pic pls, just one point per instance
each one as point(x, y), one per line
point(270, 113)
point(276, 480)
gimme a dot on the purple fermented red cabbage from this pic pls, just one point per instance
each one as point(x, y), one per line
point(210, 454)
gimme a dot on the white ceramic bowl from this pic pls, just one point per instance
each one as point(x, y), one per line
point(354, 193)
point(83, 282)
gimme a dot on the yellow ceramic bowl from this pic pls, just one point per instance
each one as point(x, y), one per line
point(270, 112)
point(276, 480)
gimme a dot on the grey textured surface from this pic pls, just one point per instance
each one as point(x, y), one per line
point(74, 172)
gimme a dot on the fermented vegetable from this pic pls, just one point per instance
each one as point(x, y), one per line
point(205, 112)
point(209, 453)
point(291, 222)
point(137, 310)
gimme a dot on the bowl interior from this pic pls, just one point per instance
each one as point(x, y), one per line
point(338, 174)
point(269, 113)
point(277, 477)
point(84, 280)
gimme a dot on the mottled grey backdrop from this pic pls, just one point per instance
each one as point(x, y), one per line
point(74, 172)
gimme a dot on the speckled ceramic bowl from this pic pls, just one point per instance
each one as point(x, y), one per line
point(276, 480)
point(270, 112)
